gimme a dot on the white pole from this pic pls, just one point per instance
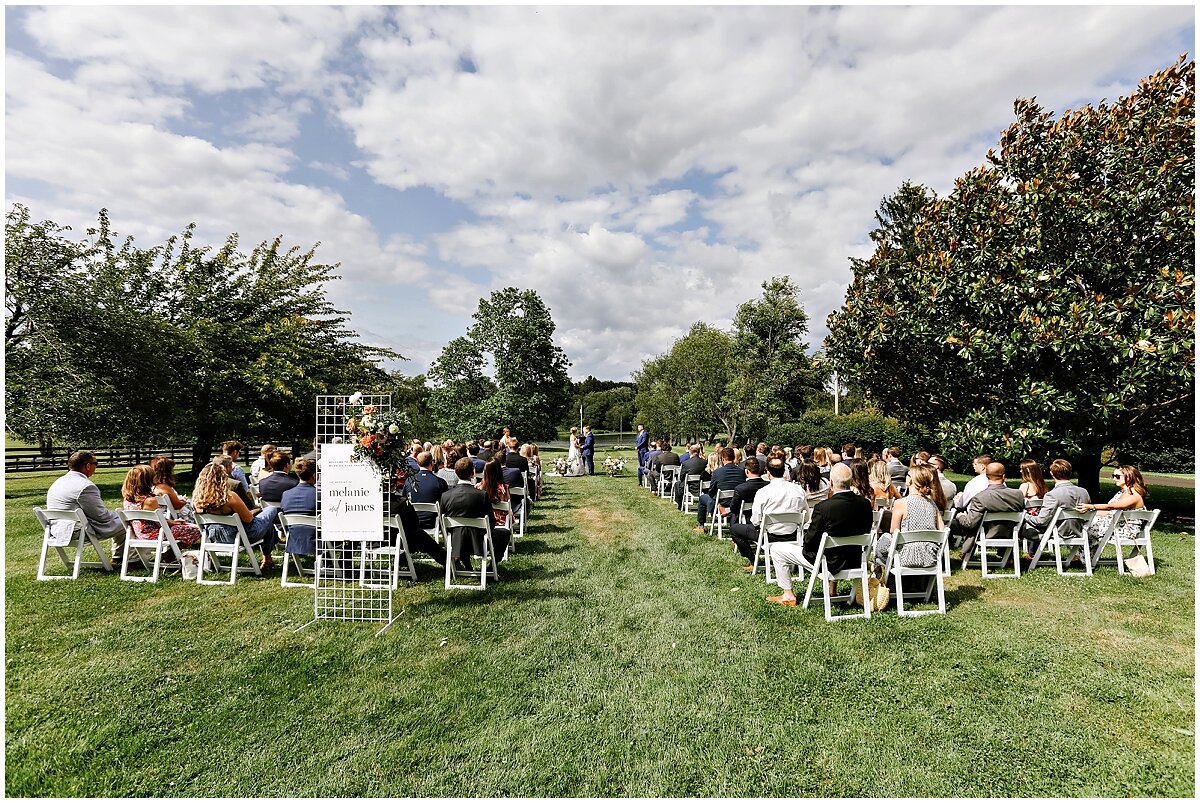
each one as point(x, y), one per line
point(836, 393)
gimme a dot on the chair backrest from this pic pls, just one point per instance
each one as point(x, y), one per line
point(921, 536)
point(1145, 518)
point(668, 471)
point(1035, 502)
point(428, 507)
point(782, 518)
point(151, 516)
point(306, 520)
point(725, 494)
point(1013, 518)
point(833, 541)
point(46, 516)
point(203, 520)
point(503, 506)
point(481, 523)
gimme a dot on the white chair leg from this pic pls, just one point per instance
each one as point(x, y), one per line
point(899, 594)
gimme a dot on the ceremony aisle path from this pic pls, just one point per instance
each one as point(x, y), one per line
point(619, 655)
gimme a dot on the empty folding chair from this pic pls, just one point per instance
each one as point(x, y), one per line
point(860, 573)
point(68, 528)
point(372, 551)
point(486, 546)
point(717, 519)
point(763, 547)
point(211, 550)
point(287, 521)
point(1008, 545)
point(162, 540)
point(935, 580)
point(1124, 537)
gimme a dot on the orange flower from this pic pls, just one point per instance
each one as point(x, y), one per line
point(369, 409)
point(352, 425)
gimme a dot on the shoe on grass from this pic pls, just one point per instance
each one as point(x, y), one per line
point(781, 600)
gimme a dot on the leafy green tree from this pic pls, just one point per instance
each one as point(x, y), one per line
point(171, 342)
point(682, 394)
point(1045, 307)
point(530, 389)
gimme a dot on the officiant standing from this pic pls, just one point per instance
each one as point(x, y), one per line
point(643, 444)
point(589, 448)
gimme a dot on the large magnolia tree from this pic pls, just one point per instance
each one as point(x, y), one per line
point(1045, 307)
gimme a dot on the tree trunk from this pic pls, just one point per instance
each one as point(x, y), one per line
point(1087, 471)
point(202, 451)
point(46, 445)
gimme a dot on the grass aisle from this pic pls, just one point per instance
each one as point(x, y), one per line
point(620, 655)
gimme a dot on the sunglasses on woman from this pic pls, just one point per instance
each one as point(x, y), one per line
point(1116, 476)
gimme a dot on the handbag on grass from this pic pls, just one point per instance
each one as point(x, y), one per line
point(1138, 566)
point(877, 588)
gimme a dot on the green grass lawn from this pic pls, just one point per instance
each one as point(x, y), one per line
point(620, 655)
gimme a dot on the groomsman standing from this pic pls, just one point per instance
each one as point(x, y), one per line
point(643, 444)
point(589, 448)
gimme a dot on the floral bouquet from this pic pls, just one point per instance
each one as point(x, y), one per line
point(614, 466)
point(377, 437)
point(560, 466)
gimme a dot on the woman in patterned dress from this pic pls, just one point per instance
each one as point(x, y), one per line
point(492, 484)
point(920, 510)
point(1131, 495)
point(137, 493)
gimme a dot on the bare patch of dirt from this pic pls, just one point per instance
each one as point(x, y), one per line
point(605, 526)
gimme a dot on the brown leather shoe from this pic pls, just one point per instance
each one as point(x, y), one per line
point(748, 568)
point(780, 600)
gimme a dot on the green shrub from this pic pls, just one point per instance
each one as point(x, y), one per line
point(866, 428)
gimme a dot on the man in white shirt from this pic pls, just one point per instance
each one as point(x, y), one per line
point(977, 483)
point(76, 491)
point(779, 496)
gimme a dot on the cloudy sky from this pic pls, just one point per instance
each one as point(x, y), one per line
point(640, 168)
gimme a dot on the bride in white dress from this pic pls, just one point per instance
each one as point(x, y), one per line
point(574, 456)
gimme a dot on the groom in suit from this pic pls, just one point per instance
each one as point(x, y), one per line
point(643, 444)
point(589, 448)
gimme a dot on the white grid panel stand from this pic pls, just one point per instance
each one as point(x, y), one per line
point(354, 582)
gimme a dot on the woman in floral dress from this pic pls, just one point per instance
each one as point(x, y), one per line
point(137, 493)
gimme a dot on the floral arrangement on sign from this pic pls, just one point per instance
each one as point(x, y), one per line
point(377, 437)
point(614, 466)
point(560, 466)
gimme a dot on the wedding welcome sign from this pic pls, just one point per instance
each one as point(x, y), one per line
point(351, 497)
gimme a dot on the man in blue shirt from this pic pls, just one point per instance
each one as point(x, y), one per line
point(726, 478)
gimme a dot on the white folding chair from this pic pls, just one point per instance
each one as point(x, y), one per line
point(1078, 542)
point(689, 497)
point(290, 520)
point(819, 571)
point(933, 573)
point(212, 550)
point(1009, 546)
point(763, 547)
point(1047, 539)
point(1145, 520)
point(487, 547)
point(666, 481)
point(159, 543)
point(434, 532)
point(717, 519)
point(876, 520)
point(77, 537)
point(396, 551)
point(519, 510)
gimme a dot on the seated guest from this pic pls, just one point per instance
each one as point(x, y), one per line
point(492, 483)
point(473, 453)
point(1131, 495)
point(976, 483)
point(464, 500)
point(694, 469)
point(949, 489)
point(814, 485)
point(780, 496)
point(996, 497)
point(485, 452)
point(897, 471)
point(921, 509)
point(259, 466)
point(860, 478)
point(1065, 494)
point(844, 513)
point(665, 457)
point(847, 453)
point(727, 478)
point(280, 479)
point(822, 458)
point(1033, 484)
point(529, 452)
point(425, 486)
point(234, 450)
point(76, 491)
point(163, 468)
point(883, 493)
point(443, 465)
point(213, 496)
point(235, 487)
point(301, 500)
point(646, 462)
point(414, 534)
point(514, 459)
point(137, 493)
point(805, 452)
point(744, 493)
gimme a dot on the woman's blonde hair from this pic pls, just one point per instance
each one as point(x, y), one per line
point(139, 481)
point(925, 483)
point(821, 456)
point(210, 491)
point(877, 470)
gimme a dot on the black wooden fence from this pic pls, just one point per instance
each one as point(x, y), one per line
point(34, 459)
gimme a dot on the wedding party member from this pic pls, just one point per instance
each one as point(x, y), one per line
point(213, 496)
point(425, 486)
point(745, 492)
point(843, 513)
point(280, 479)
point(575, 454)
point(779, 496)
point(921, 509)
point(163, 468)
point(234, 450)
point(996, 497)
point(1131, 495)
point(259, 466)
point(588, 449)
point(464, 500)
point(301, 500)
point(137, 493)
point(642, 444)
point(1065, 494)
point(76, 491)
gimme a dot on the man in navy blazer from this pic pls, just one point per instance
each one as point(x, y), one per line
point(589, 448)
point(428, 488)
point(643, 446)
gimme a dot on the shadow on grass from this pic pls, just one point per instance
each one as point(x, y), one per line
point(957, 596)
point(527, 547)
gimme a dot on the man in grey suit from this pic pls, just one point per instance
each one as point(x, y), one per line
point(995, 498)
point(1065, 494)
point(897, 471)
point(76, 491)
